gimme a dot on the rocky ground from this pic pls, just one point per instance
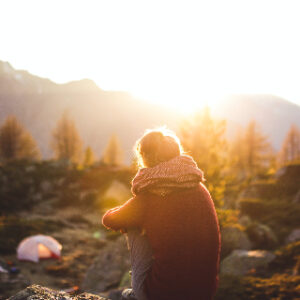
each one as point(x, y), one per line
point(47, 208)
point(43, 293)
point(260, 235)
point(82, 239)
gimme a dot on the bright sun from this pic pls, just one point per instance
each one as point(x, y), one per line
point(184, 102)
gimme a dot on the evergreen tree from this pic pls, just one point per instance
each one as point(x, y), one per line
point(204, 138)
point(16, 142)
point(66, 142)
point(89, 157)
point(113, 154)
point(290, 150)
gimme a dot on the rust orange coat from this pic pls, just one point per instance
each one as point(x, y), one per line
point(183, 231)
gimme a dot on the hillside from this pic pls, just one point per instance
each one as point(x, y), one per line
point(38, 103)
point(274, 114)
point(260, 253)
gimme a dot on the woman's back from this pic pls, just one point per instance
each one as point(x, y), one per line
point(183, 231)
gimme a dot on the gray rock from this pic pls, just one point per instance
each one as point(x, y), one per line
point(262, 236)
point(245, 221)
point(293, 236)
point(12, 282)
point(118, 191)
point(108, 268)
point(115, 294)
point(234, 238)
point(241, 262)
point(37, 292)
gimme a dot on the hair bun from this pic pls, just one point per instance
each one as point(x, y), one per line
point(156, 146)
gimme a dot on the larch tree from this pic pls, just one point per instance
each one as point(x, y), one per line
point(89, 157)
point(290, 150)
point(16, 142)
point(204, 138)
point(251, 152)
point(113, 154)
point(237, 156)
point(66, 142)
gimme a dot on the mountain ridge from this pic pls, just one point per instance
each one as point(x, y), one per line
point(274, 114)
point(39, 102)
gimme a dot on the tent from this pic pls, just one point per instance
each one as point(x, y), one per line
point(38, 246)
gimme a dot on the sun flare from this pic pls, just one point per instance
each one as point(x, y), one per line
point(180, 54)
point(183, 103)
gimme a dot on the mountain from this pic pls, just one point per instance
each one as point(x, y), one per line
point(274, 114)
point(38, 103)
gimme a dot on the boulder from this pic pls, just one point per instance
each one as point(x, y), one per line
point(118, 191)
point(245, 221)
point(242, 262)
point(115, 294)
point(108, 268)
point(262, 236)
point(233, 237)
point(43, 293)
point(293, 236)
point(11, 282)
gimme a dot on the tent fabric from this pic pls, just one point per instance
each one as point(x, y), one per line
point(38, 246)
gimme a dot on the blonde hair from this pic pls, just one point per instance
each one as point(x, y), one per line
point(156, 146)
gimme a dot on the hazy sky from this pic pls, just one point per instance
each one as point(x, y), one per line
point(180, 52)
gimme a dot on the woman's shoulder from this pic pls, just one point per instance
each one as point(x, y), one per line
point(199, 190)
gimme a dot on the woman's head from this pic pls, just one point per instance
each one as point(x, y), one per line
point(156, 146)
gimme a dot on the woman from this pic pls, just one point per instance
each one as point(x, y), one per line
point(173, 231)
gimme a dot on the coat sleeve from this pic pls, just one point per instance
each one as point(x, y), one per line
point(129, 215)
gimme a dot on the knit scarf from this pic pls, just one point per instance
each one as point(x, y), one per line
point(162, 179)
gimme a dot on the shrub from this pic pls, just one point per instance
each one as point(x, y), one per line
point(227, 217)
point(266, 189)
point(279, 286)
point(282, 216)
point(286, 257)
